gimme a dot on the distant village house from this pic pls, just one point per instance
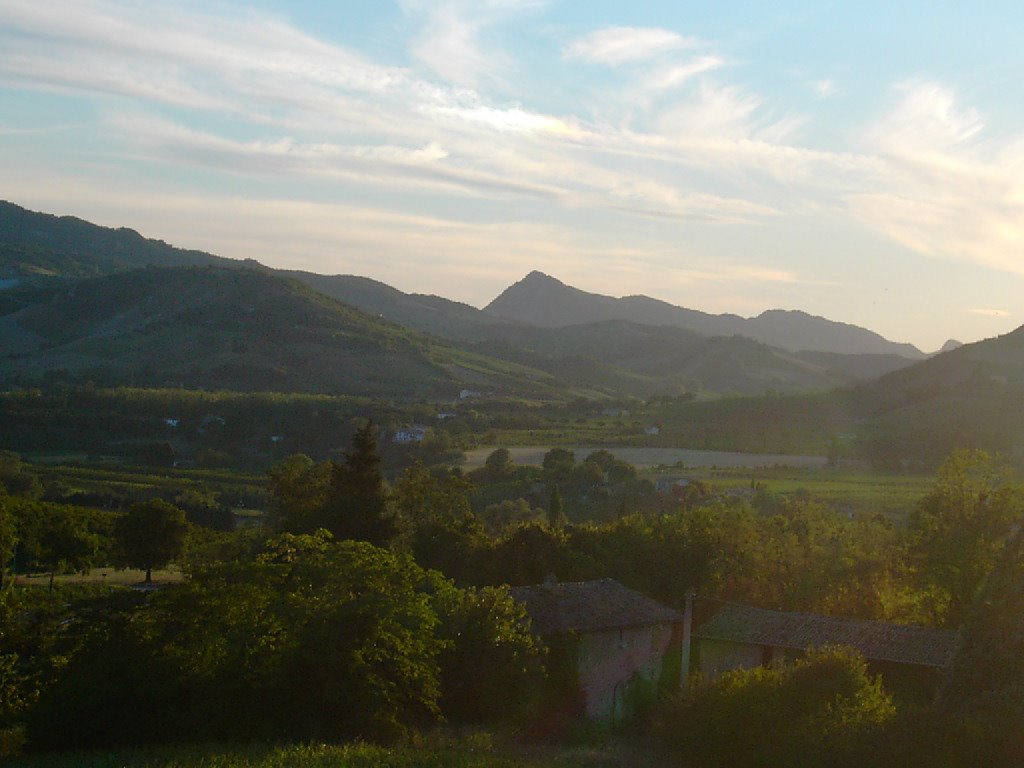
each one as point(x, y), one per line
point(413, 434)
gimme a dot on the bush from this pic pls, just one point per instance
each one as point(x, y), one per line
point(824, 709)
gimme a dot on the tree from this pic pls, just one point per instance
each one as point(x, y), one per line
point(488, 632)
point(823, 710)
point(499, 465)
point(357, 506)
point(979, 715)
point(150, 535)
point(8, 536)
point(55, 538)
point(556, 515)
point(558, 464)
point(310, 640)
point(298, 492)
point(961, 525)
point(510, 512)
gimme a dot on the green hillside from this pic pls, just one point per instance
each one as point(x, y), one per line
point(236, 329)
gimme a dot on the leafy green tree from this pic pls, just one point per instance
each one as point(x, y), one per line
point(825, 709)
point(311, 640)
point(488, 633)
point(960, 527)
point(150, 535)
point(55, 538)
point(558, 464)
point(17, 479)
point(499, 465)
point(298, 492)
point(357, 505)
point(422, 495)
point(510, 512)
point(442, 529)
point(984, 691)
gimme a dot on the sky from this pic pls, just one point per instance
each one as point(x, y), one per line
point(858, 161)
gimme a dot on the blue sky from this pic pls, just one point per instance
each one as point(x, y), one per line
point(853, 160)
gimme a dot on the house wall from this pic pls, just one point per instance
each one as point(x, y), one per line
point(610, 662)
point(718, 656)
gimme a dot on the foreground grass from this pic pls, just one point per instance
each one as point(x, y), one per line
point(464, 755)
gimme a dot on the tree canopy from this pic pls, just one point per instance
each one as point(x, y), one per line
point(150, 535)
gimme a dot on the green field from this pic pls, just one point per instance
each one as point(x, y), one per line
point(111, 576)
point(855, 491)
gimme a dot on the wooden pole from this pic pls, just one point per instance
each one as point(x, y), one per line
point(684, 666)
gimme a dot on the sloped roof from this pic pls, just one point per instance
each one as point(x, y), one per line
point(876, 640)
point(590, 606)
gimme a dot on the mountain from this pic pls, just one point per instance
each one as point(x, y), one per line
point(969, 397)
point(430, 314)
point(242, 329)
point(43, 257)
point(40, 244)
point(949, 346)
point(544, 301)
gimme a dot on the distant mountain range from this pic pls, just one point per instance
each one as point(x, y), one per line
point(109, 304)
point(542, 300)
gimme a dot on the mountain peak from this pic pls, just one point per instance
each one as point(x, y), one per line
point(542, 300)
point(950, 345)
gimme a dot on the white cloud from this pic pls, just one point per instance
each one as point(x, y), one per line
point(990, 312)
point(713, 112)
point(621, 45)
point(825, 88)
point(941, 189)
point(927, 118)
point(675, 75)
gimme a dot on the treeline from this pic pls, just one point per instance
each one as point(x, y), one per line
point(366, 609)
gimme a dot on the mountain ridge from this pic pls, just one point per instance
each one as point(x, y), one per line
point(548, 302)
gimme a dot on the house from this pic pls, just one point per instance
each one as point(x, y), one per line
point(741, 636)
point(622, 637)
point(466, 394)
point(671, 485)
point(654, 429)
point(413, 434)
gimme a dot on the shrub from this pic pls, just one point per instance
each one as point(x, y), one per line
point(823, 709)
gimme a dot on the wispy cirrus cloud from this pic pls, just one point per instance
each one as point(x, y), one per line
point(990, 312)
point(942, 189)
point(621, 45)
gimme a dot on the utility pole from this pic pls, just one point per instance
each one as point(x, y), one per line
point(684, 666)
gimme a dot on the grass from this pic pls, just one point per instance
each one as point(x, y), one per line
point(854, 490)
point(846, 490)
point(468, 753)
point(111, 576)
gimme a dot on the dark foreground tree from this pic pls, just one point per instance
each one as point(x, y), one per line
point(150, 535)
point(984, 693)
point(310, 640)
point(357, 506)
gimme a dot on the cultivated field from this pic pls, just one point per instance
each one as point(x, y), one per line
point(646, 458)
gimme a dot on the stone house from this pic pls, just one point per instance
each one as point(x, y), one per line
point(740, 636)
point(622, 637)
